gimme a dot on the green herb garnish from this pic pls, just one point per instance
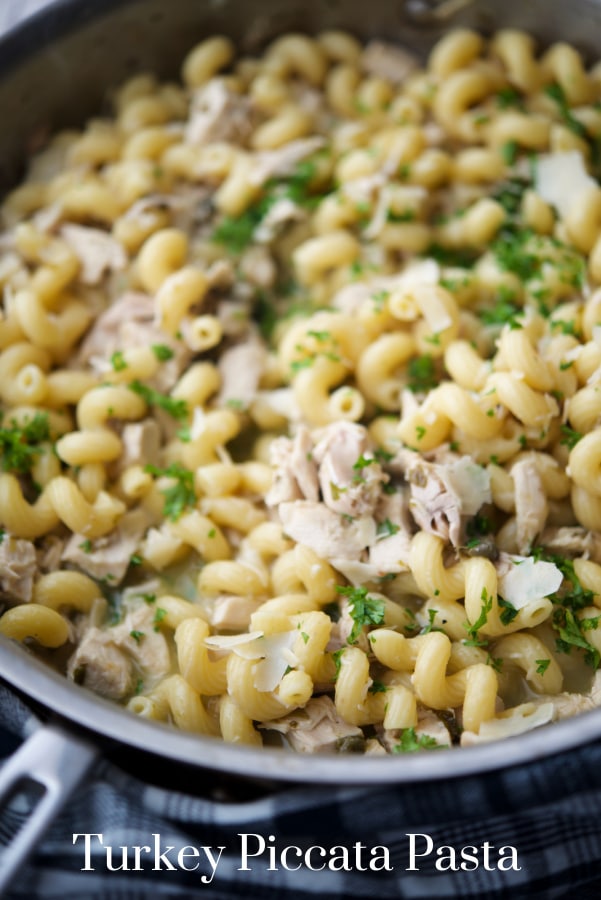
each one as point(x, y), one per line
point(410, 742)
point(178, 409)
point(178, 496)
point(162, 352)
point(19, 444)
point(364, 610)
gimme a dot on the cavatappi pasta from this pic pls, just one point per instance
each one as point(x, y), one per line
point(300, 380)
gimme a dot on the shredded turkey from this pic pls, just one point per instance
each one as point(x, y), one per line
point(315, 729)
point(283, 212)
point(241, 368)
point(128, 323)
point(294, 469)
point(108, 659)
point(573, 540)
point(97, 251)
point(568, 704)
point(218, 114)
point(324, 531)
point(18, 565)
point(441, 494)
point(108, 557)
point(232, 613)
point(531, 507)
point(281, 162)
point(101, 665)
point(348, 487)
point(141, 444)
point(434, 505)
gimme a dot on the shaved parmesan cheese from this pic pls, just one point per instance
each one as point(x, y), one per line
point(523, 718)
point(273, 652)
point(199, 423)
point(270, 671)
point(230, 641)
point(380, 215)
point(282, 402)
point(561, 178)
point(424, 271)
point(97, 251)
point(529, 580)
point(433, 309)
point(356, 572)
point(471, 482)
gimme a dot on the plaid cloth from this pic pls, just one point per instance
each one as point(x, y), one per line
point(550, 811)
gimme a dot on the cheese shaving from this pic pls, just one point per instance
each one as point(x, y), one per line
point(529, 580)
point(561, 178)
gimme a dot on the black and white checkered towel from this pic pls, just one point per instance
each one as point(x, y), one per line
point(550, 811)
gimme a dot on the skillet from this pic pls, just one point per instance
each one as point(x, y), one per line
point(54, 70)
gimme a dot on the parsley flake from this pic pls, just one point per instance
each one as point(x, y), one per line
point(364, 610)
point(180, 494)
point(410, 742)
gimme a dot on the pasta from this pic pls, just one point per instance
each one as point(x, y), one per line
point(300, 394)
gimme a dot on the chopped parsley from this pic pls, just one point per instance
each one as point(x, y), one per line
point(513, 254)
point(504, 312)
point(509, 152)
point(162, 352)
point(19, 444)
point(136, 635)
point(432, 613)
point(495, 662)
point(159, 615)
point(337, 657)
point(510, 194)
point(568, 600)
point(570, 437)
point(178, 496)
point(382, 455)
point(508, 611)
point(410, 742)
point(86, 546)
point(364, 610)
point(407, 215)
point(386, 529)
point(482, 619)
point(508, 97)
point(556, 93)
point(235, 233)
point(362, 462)
point(542, 665)
point(178, 409)
point(118, 361)
point(422, 373)
point(380, 298)
point(377, 687)
point(321, 336)
point(448, 256)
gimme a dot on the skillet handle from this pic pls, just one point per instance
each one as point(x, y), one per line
point(53, 762)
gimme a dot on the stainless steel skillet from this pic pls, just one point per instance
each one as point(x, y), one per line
point(55, 70)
